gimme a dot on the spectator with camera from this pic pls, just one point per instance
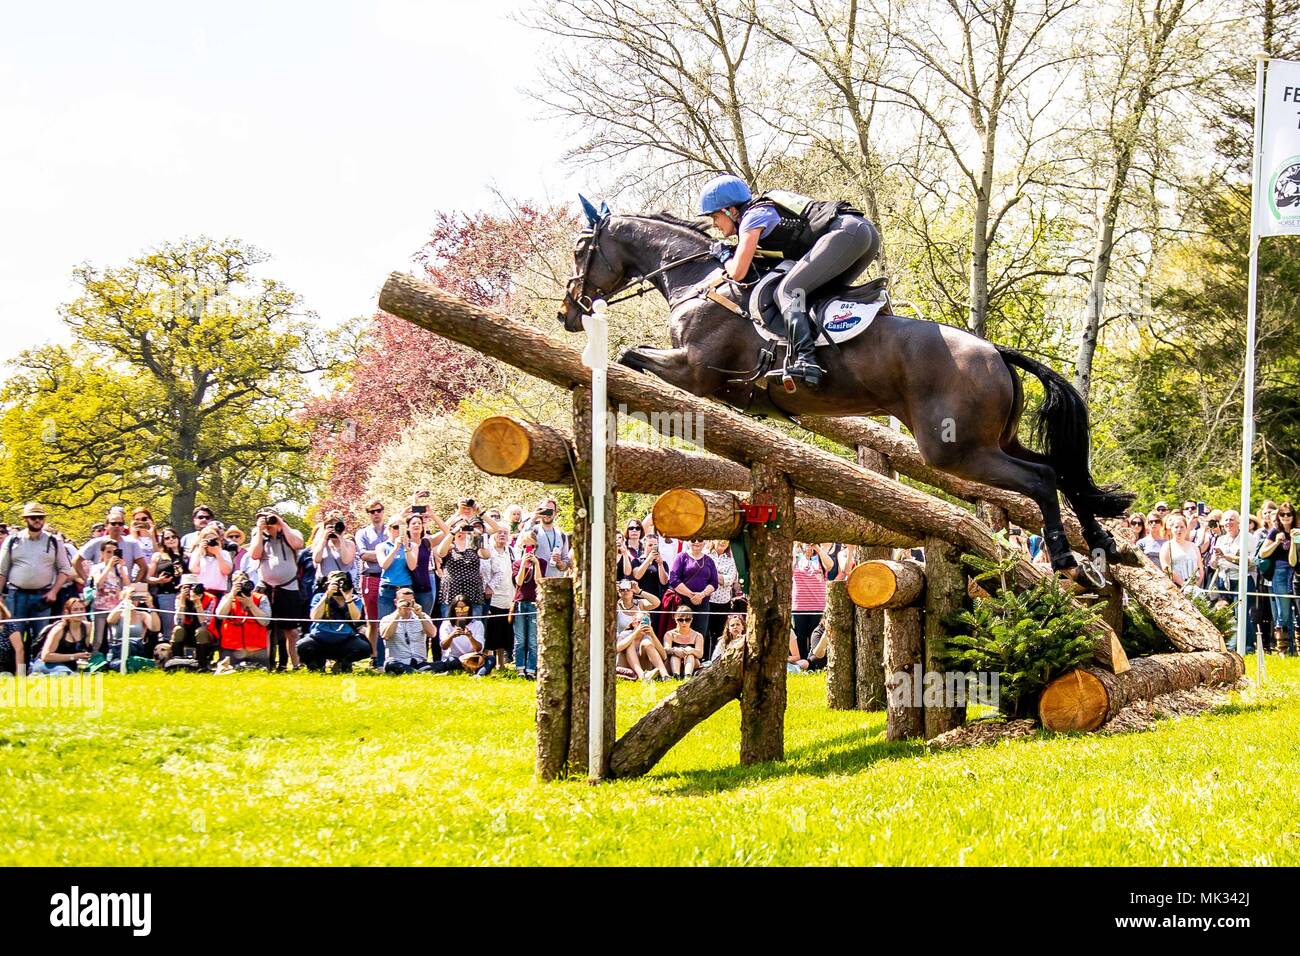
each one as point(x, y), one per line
point(721, 600)
point(211, 562)
point(201, 517)
point(498, 596)
point(634, 637)
point(527, 570)
point(136, 615)
point(131, 553)
point(368, 539)
point(243, 619)
point(194, 631)
point(336, 630)
point(332, 549)
point(143, 532)
point(407, 633)
point(461, 555)
point(274, 548)
point(424, 579)
point(461, 640)
point(34, 567)
point(397, 558)
point(1279, 553)
point(109, 578)
point(552, 543)
point(65, 643)
point(166, 567)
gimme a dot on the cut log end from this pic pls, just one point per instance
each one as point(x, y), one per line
point(680, 513)
point(500, 446)
point(883, 584)
point(1075, 701)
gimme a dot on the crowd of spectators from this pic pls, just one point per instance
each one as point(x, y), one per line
point(411, 591)
point(1200, 548)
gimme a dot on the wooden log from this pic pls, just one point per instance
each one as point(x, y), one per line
point(587, 564)
point(838, 620)
point(869, 658)
point(903, 719)
point(1145, 583)
point(882, 584)
point(1087, 697)
point(767, 635)
point(722, 431)
point(945, 589)
point(514, 448)
point(688, 513)
point(554, 631)
point(646, 741)
point(869, 625)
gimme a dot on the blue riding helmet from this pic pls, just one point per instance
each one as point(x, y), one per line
point(723, 191)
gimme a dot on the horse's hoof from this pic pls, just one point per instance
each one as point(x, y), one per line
point(1086, 575)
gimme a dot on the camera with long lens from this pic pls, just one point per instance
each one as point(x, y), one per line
point(245, 588)
point(338, 527)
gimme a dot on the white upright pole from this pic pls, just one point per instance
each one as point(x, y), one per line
point(596, 358)
point(1248, 403)
point(126, 638)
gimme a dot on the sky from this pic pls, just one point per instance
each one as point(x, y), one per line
point(327, 134)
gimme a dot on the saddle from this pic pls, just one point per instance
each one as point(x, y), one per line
point(837, 313)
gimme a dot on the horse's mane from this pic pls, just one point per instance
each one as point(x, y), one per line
point(667, 217)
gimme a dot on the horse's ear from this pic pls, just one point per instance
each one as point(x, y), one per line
point(588, 210)
point(604, 212)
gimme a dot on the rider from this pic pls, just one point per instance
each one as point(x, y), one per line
point(830, 242)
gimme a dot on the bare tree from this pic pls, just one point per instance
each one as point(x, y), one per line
point(674, 87)
point(1149, 52)
point(997, 65)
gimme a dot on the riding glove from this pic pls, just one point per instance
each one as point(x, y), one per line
point(721, 250)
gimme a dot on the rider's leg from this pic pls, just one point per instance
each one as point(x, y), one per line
point(845, 250)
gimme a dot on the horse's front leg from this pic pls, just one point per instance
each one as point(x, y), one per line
point(674, 366)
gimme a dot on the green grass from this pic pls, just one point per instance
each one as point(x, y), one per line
point(266, 769)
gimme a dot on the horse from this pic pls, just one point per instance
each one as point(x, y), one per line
point(958, 394)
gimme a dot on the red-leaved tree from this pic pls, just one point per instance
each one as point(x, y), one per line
point(404, 372)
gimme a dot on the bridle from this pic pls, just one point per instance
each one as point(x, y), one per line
point(575, 291)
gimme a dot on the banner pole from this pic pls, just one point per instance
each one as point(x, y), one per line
point(1248, 411)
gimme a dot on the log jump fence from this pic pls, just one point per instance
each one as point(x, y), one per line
point(887, 618)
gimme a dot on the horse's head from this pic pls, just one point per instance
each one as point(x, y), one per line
point(598, 271)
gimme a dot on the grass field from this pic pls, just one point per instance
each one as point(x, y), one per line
point(267, 769)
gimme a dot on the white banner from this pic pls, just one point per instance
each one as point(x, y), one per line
point(1278, 211)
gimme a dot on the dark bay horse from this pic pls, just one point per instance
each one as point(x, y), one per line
point(957, 393)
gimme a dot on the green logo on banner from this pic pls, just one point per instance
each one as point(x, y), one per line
point(1284, 192)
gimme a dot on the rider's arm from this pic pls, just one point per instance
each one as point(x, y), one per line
point(738, 264)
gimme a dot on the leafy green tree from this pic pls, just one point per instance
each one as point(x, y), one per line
point(185, 380)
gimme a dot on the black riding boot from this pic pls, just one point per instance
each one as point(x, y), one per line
point(802, 363)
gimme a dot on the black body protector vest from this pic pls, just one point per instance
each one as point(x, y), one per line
point(803, 221)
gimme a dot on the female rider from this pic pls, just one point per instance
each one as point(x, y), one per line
point(831, 242)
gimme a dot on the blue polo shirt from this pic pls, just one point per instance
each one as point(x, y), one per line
point(337, 627)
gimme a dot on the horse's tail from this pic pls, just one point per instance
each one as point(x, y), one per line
point(1061, 428)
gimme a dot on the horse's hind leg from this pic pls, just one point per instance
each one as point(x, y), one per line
point(993, 466)
point(1099, 539)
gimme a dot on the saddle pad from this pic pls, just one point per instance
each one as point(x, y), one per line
point(840, 320)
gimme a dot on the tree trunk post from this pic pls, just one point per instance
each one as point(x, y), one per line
point(767, 637)
point(904, 710)
point(839, 632)
point(585, 565)
point(869, 625)
point(945, 589)
point(554, 668)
